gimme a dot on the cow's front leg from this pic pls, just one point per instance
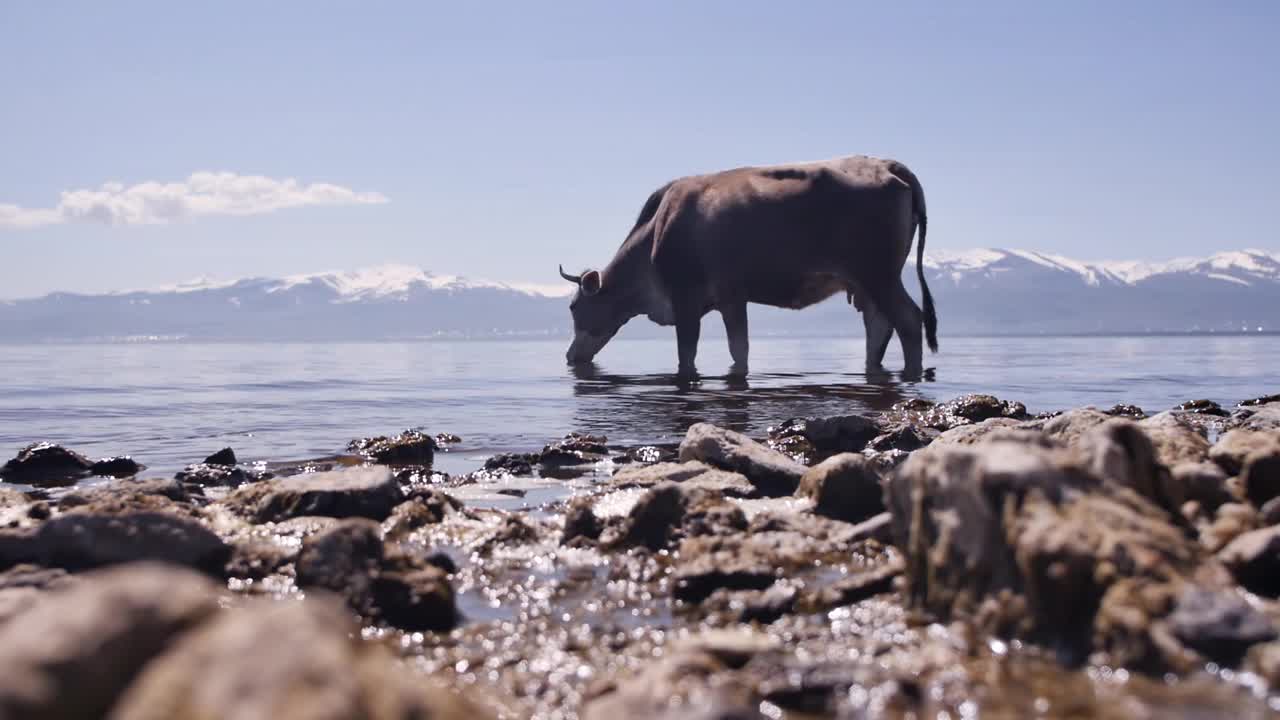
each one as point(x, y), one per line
point(735, 326)
point(688, 327)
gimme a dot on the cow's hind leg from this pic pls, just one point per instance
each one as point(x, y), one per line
point(879, 331)
point(735, 326)
point(905, 316)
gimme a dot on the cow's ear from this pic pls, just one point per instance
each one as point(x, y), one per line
point(590, 282)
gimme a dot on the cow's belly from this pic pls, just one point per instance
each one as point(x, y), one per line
point(794, 290)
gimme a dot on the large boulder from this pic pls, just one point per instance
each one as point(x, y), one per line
point(287, 661)
point(370, 492)
point(1005, 519)
point(773, 473)
point(843, 487)
point(72, 654)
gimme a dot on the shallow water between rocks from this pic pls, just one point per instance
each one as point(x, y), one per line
point(547, 628)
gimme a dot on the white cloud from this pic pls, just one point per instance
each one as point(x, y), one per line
point(204, 193)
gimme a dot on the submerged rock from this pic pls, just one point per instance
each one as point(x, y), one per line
point(843, 487)
point(411, 447)
point(808, 439)
point(214, 475)
point(225, 456)
point(513, 463)
point(370, 492)
point(72, 654)
point(46, 464)
point(1202, 407)
point(1133, 412)
point(118, 467)
point(291, 661)
point(773, 473)
point(575, 449)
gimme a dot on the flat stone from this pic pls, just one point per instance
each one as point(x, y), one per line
point(773, 473)
point(1219, 625)
point(370, 492)
point(689, 474)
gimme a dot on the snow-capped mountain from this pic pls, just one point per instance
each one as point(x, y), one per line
point(977, 291)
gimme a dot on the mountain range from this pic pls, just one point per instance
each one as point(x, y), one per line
point(986, 291)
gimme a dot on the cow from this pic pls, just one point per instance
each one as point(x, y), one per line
point(788, 236)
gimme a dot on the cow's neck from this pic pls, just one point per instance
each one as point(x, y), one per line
point(638, 290)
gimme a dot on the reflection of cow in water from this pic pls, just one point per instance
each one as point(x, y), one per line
point(788, 236)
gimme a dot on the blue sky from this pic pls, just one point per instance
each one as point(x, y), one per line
point(499, 139)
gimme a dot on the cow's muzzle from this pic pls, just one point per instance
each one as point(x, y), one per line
point(585, 347)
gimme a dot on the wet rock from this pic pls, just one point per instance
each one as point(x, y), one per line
point(46, 464)
point(118, 467)
point(116, 529)
point(747, 606)
point(73, 653)
point(1261, 475)
point(711, 563)
point(1006, 518)
point(575, 449)
point(963, 410)
point(1175, 439)
point(214, 475)
point(422, 506)
point(350, 559)
point(673, 687)
point(1259, 418)
point(843, 487)
point(370, 492)
point(1235, 446)
point(1133, 412)
point(692, 474)
point(773, 473)
point(160, 487)
point(1202, 407)
point(580, 522)
point(255, 560)
point(443, 439)
point(39, 511)
point(225, 456)
point(1264, 400)
point(860, 585)
point(1254, 559)
point(343, 559)
point(670, 511)
point(411, 447)
point(514, 530)
point(826, 435)
point(291, 661)
point(513, 463)
point(1120, 451)
point(885, 462)
point(905, 438)
point(1219, 625)
point(651, 454)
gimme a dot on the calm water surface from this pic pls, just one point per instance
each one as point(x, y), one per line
point(171, 404)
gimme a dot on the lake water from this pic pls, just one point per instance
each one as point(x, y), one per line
point(168, 405)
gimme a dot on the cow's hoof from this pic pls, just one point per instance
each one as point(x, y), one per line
point(738, 370)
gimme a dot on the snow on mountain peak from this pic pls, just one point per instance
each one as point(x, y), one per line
point(1239, 267)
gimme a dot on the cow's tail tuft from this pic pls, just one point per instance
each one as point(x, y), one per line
point(922, 220)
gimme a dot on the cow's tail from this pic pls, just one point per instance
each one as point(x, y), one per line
point(922, 221)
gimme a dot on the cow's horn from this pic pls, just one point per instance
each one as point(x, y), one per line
point(575, 279)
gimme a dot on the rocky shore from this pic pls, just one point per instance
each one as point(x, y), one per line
point(960, 559)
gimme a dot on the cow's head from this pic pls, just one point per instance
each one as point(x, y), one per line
point(595, 319)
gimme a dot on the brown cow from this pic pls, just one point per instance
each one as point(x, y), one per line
point(787, 235)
